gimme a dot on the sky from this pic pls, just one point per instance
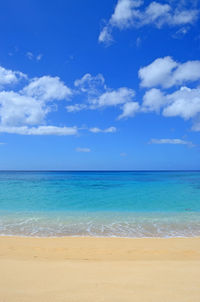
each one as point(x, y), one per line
point(100, 85)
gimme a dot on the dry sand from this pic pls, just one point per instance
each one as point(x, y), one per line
point(99, 269)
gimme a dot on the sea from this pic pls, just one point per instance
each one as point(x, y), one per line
point(132, 204)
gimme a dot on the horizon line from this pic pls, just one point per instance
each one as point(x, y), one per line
point(96, 170)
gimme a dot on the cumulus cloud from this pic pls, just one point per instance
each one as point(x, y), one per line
point(28, 106)
point(47, 88)
point(98, 95)
point(125, 12)
point(85, 150)
point(110, 98)
point(184, 103)
point(8, 76)
point(187, 72)
point(129, 13)
point(174, 141)
point(159, 72)
point(129, 110)
point(17, 109)
point(165, 72)
point(113, 98)
point(25, 111)
point(153, 100)
point(107, 130)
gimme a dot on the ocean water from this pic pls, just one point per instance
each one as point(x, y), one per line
point(121, 204)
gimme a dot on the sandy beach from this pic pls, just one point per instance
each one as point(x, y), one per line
point(99, 269)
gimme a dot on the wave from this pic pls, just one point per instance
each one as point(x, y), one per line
point(101, 224)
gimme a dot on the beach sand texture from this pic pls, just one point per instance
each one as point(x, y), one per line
point(99, 269)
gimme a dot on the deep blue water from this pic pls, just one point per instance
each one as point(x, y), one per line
point(129, 204)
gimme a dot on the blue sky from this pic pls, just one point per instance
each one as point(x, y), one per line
point(99, 84)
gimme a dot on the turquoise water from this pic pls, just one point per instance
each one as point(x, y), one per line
point(125, 204)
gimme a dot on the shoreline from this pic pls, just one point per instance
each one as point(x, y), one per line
point(97, 237)
point(88, 269)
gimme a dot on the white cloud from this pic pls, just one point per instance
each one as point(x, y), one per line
point(184, 103)
point(163, 14)
point(109, 98)
point(174, 141)
point(125, 13)
point(105, 35)
point(1, 143)
point(24, 111)
point(90, 84)
point(165, 72)
point(113, 98)
point(186, 72)
point(128, 13)
point(184, 17)
point(129, 110)
point(107, 130)
point(153, 100)
point(76, 107)
point(47, 88)
point(98, 95)
point(86, 150)
point(157, 12)
point(8, 76)
point(40, 130)
point(157, 73)
point(16, 109)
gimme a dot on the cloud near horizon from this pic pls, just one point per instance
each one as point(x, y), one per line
point(171, 141)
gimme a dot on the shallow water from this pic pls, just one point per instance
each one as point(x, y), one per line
point(125, 204)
